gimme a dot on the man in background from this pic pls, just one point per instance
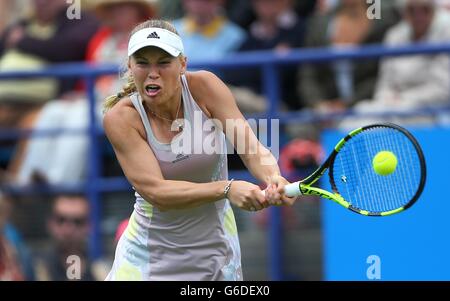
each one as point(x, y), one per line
point(69, 227)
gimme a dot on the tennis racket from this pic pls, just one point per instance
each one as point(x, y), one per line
point(354, 181)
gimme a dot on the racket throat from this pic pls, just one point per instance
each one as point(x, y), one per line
point(324, 194)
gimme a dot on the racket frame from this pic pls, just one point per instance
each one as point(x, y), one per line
point(306, 188)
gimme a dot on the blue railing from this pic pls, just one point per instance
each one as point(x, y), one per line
point(268, 62)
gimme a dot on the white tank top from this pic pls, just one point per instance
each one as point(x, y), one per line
point(189, 244)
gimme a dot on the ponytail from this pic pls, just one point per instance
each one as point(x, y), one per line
point(111, 101)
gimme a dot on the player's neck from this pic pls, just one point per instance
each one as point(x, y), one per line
point(167, 110)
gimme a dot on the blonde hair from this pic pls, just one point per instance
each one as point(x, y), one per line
point(130, 86)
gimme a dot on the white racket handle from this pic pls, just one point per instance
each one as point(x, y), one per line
point(290, 190)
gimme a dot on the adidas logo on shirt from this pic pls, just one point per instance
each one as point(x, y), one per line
point(153, 35)
point(180, 157)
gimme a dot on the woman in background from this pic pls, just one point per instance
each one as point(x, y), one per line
point(62, 159)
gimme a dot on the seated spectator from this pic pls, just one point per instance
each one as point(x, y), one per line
point(62, 159)
point(170, 10)
point(208, 34)
point(278, 27)
point(69, 227)
point(242, 13)
point(11, 266)
point(11, 11)
point(416, 81)
point(335, 86)
point(444, 4)
point(206, 31)
point(411, 82)
point(48, 36)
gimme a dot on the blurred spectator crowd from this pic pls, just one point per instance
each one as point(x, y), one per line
point(38, 33)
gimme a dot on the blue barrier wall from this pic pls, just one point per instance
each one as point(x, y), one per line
point(413, 245)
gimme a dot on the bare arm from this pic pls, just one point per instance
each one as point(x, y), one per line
point(142, 169)
point(127, 136)
point(218, 101)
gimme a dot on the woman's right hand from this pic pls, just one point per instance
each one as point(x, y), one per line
point(247, 196)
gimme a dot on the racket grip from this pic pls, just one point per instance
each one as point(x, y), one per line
point(292, 189)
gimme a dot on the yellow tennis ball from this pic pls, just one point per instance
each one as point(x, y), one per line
point(384, 163)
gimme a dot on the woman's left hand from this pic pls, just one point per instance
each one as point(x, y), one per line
point(275, 192)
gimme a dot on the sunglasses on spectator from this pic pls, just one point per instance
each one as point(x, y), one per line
point(76, 221)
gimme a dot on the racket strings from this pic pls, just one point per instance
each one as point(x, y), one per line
point(358, 183)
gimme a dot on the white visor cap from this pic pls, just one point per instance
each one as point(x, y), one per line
point(157, 37)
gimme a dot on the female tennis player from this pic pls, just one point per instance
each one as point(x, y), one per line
point(183, 226)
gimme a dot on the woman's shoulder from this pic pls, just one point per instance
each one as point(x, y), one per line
point(204, 87)
point(122, 121)
point(201, 80)
point(203, 83)
point(121, 115)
